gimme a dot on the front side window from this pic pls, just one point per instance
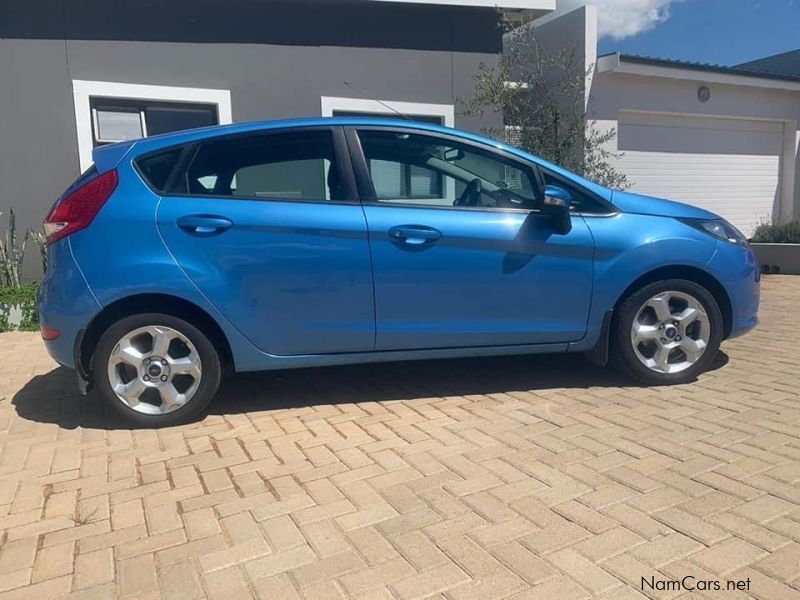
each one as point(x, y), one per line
point(408, 168)
point(286, 166)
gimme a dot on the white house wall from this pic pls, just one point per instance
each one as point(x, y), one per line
point(614, 94)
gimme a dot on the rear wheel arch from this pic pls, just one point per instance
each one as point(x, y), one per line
point(698, 276)
point(148, 303)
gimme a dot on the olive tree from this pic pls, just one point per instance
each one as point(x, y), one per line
point(541, 98)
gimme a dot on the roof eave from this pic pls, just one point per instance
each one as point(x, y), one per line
point(617, 63)
point(543, 6)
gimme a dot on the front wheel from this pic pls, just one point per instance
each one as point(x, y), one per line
point(667, 332)
point(156, 370)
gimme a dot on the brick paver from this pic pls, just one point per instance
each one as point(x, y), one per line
point(511, 477)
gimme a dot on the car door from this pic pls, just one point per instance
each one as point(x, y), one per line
point(268, 227)
point(461, 256)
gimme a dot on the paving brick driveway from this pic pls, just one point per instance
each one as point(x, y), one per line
point(522, 477)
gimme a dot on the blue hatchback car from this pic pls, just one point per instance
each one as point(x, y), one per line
point(179, 258)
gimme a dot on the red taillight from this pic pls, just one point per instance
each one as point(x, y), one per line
point(79, 209)
point(49, 333)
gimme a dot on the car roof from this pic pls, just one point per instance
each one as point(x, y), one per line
point(181, 137)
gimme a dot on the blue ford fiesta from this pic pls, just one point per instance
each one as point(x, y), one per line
point(178, 258)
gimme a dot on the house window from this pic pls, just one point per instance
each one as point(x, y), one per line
point(118, 120)
point(107, 112)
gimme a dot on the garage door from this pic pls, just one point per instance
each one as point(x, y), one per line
point(728, 166)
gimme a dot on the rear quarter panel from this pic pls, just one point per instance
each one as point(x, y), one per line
point(121, 254)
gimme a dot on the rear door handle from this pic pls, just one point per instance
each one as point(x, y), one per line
point(415, 235)
point(204, 224)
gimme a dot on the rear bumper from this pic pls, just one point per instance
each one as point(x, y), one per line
point(736, 267)
point(65, 303)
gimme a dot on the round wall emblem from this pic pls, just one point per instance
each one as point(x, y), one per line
point(703, 93)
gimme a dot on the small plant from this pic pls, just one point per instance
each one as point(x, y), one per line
point(79, 518)
point(12, 253)
point(786, 233)
point(40, 239)
point(23, 297)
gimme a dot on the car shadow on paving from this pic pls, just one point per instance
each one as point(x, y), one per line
point(54, 396)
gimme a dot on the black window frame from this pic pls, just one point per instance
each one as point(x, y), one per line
point(177, 186)
point(366, 188)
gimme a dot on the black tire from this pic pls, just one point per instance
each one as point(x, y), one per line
point(623, 355)
point(194, 407)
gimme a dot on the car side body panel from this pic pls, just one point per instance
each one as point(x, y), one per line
point(493, 278)
point(123, 253)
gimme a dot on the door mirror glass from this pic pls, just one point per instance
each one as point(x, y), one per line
point(556, 206)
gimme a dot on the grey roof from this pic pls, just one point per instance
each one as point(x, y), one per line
point(741, 70)
point(787, 63)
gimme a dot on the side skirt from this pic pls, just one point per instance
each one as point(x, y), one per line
point(325, 360)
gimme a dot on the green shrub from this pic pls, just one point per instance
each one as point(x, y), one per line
point(25, 298)
point(787, 233)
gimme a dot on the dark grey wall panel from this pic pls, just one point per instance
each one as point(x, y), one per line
point(38, 142)
point(283, 22)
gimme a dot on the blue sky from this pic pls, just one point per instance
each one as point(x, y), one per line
point(725, 32)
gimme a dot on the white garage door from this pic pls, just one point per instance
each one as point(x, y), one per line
point(728, 166)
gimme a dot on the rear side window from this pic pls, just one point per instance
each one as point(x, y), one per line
point(156, 168)
point(286, 166)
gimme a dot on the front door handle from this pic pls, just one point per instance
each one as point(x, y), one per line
point(204, 224)
point(415, 235)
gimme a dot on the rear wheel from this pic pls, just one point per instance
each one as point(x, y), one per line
point(667, 332)
point(156, 370)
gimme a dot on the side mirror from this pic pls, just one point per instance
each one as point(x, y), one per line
point(556, 206)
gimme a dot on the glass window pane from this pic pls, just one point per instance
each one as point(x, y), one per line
point(166, 119)
point(424, 182)
point(439, 172)
point(157, 168)
point(388, 179)
point(298, 166)
point(118, 125)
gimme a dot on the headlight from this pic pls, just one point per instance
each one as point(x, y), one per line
point(720, 229)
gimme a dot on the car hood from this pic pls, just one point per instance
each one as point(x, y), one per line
point(647, 205)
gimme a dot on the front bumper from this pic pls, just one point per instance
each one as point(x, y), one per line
point(736, 267)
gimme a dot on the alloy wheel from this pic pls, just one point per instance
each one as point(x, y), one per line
point(670, 332)
point(154, 370)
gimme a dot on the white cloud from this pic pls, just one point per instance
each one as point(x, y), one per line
point(623, 18)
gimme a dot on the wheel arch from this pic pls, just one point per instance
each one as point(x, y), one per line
point(694, 274)
point(161, 303)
